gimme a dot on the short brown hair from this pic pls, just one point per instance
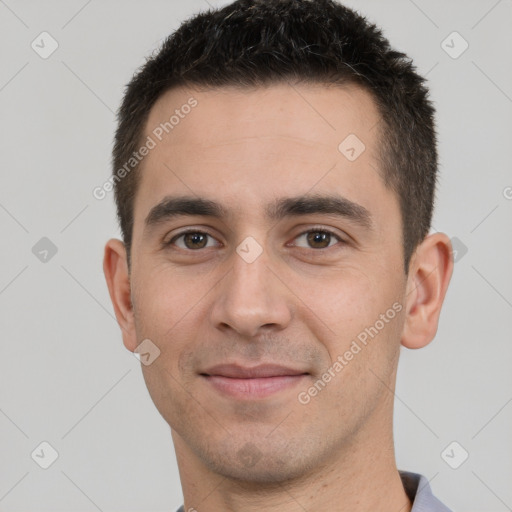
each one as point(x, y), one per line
point(259, 42)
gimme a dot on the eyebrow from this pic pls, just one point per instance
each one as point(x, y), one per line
point(171, 207)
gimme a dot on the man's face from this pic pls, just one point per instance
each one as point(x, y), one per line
point(265, 285)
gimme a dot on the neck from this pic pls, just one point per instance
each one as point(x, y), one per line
point(359, 477)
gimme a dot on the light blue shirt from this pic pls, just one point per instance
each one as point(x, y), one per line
point(418, 489)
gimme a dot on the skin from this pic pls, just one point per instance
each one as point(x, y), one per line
point(298, 304)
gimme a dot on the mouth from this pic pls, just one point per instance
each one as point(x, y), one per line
point(252, 383)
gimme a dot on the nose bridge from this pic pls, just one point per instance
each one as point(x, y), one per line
point(251, 296)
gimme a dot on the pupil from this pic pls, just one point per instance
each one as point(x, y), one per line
point(196, 239)
point(318, 237)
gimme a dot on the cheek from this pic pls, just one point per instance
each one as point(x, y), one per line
point(167, 393)
point(165, 298)
point(342, 300)
point(354, 309)
point(363, 350)
point(168, 317)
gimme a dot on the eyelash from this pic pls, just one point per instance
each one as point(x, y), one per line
point(311, 230)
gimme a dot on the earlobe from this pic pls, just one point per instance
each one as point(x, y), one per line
point(115, 268)
point(429, 276)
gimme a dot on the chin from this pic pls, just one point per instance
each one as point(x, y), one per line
point(263, 473)
point(261, 462)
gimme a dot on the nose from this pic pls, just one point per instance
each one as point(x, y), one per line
point(251, 298)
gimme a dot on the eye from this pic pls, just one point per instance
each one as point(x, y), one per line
point(318, 239)
point(191, 240)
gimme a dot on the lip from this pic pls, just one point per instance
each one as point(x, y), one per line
point(252, 383)
point(261, 371)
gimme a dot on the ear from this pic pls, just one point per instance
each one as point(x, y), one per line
point(429, 275)
point(115, 268)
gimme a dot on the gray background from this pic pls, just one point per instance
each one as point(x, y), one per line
point(66, 377)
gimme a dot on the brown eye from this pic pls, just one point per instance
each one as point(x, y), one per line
point(195, 240)
point(318, 239)
point(191, 240)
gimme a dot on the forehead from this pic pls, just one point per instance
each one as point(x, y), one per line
point(316, 113)
point(242, 145)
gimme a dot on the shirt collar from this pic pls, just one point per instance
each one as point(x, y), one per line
point(418, 489)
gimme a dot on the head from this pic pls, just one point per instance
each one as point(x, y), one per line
point(298, 150)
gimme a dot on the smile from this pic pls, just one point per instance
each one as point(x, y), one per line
point(252, 388)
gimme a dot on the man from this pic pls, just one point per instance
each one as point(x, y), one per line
point(274, 170)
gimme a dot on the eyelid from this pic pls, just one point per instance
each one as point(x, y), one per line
point(321, 229)
point(185, 231)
